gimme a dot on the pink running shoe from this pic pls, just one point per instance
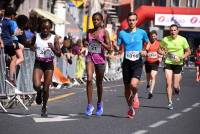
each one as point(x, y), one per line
point(131, 113)
point(136, 103)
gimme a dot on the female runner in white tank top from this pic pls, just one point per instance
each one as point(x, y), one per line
point(46, 46)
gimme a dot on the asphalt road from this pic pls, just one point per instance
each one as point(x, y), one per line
point(66, 112)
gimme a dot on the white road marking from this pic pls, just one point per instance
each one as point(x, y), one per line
point(173, 116)
point(196, 104)
point(113, 86)
point(140, 132)
point(157, 124)
point(51, 118)
point(56, 119)
point(20, 115)
point(72, 115)
point(17, 115)
point(186, 110)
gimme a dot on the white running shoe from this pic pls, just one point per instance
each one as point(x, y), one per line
point(170, 106)
point(17, 91)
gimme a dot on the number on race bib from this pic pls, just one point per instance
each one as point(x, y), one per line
point(152, 55)
point(94, 47)
point(172, 57)
point(45, 53)
point(132, 55)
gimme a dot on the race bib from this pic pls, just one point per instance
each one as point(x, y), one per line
point(94, 47)
point(132, 55)
point(172, 57)
point(44, 53)
point(152, 54)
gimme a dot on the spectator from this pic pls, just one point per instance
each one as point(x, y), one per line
point(12, 48)
point(28, 37)
point(66, 49)
point(79, 50)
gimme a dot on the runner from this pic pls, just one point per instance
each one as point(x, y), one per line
point(152, 62)
point(197, 63)
point(98, 41)
point(132, 39)
point(176, 49)
point(46, 45)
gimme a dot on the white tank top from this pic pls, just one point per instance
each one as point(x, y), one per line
point(43, 51)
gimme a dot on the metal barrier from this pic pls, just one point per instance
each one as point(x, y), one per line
point(66, 68)
point(71, 68)
point(24, 80)
point(113, 70)
point(2, 78)
point(25, 93)
point(2, 73)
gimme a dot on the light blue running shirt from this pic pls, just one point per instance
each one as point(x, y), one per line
point(133, 42)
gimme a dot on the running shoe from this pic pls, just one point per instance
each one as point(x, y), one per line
point(148, 86)
point(136, 102)
point(131, 113)
point(38, 98)
point(44, 112)
point(99, 111)
point(17, 91)
point(89, 110)
point(170, 106)
point(150, 95)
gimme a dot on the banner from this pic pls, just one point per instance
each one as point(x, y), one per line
point(180, 20)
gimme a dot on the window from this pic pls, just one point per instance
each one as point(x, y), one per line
point(192, 3)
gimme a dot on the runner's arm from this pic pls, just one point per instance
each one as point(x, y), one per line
point(56, 48)
point(187, 52)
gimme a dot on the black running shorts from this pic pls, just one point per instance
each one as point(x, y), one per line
point(175, 68)
point(151, 66)
point(131, 69)
point(44, 65)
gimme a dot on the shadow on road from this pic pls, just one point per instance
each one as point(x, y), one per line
point(104, 115)
point(158, 107)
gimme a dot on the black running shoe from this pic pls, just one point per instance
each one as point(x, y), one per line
point(148, 86)
point(38, 98)
point(44, 112)
point(150, 95)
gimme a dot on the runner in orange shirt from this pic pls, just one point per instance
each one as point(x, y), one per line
point(152, 62)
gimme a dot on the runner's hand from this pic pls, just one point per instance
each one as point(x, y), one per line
point(50, 45)
point(143, 53)
point(177, 59)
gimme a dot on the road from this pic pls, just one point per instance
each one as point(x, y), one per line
point(66, 112)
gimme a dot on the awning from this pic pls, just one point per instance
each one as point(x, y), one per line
point(55, 19)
